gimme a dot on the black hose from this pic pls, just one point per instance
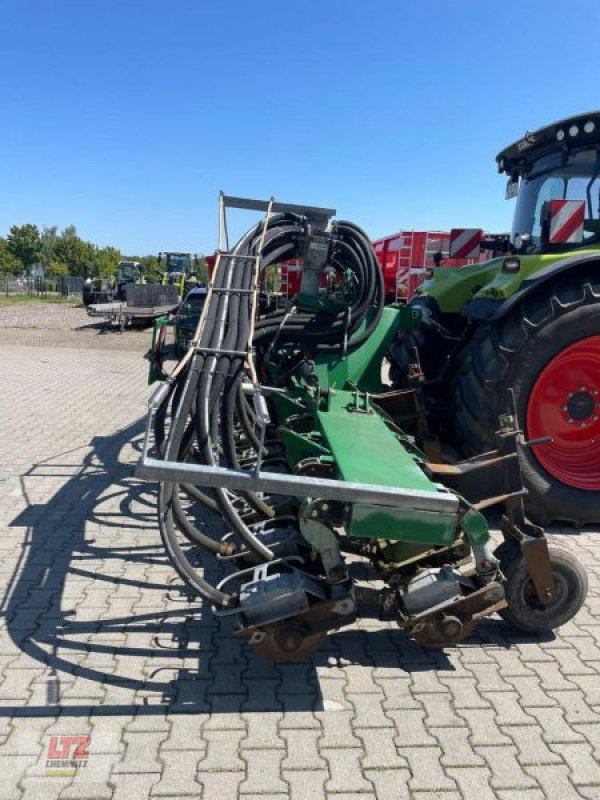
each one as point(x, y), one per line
point(206, 403)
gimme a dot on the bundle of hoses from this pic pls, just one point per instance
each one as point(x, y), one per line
point(205, 401)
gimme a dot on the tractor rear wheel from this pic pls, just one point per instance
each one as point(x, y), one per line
point(548, 351)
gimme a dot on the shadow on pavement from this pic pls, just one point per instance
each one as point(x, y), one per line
point(162, 650)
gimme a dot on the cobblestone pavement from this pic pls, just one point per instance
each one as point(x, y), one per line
point(98, 641)
point(50, 316)
point(65, 326)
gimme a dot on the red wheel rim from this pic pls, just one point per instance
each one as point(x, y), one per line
point(565, 404)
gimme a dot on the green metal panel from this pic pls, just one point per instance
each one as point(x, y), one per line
point(452, 288)
point(354, 435)
point(155, 372)
point(362, 365)
point(288, 404)
point(383, 522)
point(367, 451)
point(505, 284)
point(475, 527)
point(299, 446)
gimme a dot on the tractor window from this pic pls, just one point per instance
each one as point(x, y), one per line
point(178, 263)
point(556, 177)
point(128, 271)
point(546, 164)
point(582, 189)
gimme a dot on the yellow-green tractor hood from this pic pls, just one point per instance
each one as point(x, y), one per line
point(478, 290)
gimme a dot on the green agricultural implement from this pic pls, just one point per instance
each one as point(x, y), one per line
point(528, 321)
point(285, 462)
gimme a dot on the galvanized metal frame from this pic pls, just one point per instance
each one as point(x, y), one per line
point(153, 467)
point(157, 469)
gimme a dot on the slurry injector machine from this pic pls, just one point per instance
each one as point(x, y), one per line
point(278, 422)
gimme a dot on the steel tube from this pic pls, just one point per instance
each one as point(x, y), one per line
point(295, 485)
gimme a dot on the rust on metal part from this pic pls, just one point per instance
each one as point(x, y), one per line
point(436, 629)
point(537, 559)
point(472, 464)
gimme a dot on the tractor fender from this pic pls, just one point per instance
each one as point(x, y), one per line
point(487, 308)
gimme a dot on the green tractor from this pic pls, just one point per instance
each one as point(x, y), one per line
point(108, 290)
point(179, 270)
point(525, 325)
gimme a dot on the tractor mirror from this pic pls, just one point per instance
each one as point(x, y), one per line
point(512, 188)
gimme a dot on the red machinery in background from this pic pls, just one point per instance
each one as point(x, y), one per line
point(210, 264)
point(406, 256)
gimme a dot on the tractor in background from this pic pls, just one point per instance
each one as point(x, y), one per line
point(107, 290)
point(179, 270)
point(527, 323)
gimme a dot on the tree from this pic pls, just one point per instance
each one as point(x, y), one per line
point(150, 266)
point(70, 232)
point(202, 270)
point(56, 269)
point(48, 239)
point(9, 264)
point(24, 242)
point(271, 278)
point(106, 261)
point(79, 256)
point(150, 262)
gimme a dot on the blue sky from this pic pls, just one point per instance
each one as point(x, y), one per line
point(126, 117)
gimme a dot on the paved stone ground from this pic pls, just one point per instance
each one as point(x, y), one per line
point(47, 316)
point(97, 640)
point(65, 326)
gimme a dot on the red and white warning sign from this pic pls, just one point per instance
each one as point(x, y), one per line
point(403, 282)
point(465, 242)
point(566, 221)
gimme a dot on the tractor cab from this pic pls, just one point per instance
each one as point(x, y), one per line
point(527, 325)
point(97, 290)
point(554, 173)
point(127, 272)
point(177, 263)
point(179, 270)
point(176, 266)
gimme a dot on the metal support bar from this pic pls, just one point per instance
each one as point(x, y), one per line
point(232, 291)
point(537, 558)
point(296, 485)
point(236, 257)
point(218, 351)
point(263, 205)
point(249, 388)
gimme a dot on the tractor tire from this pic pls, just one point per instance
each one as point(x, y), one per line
point(424, 346)
point(547, 350)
